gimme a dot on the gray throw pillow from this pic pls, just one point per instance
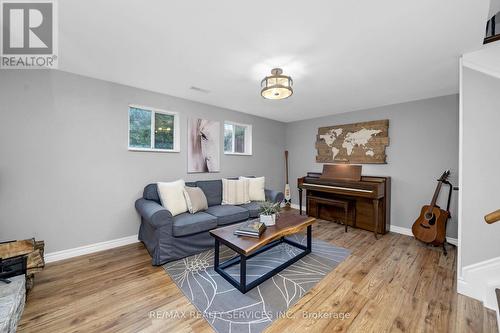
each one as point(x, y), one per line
point(195, 199)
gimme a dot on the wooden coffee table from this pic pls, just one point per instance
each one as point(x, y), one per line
point(248, 247)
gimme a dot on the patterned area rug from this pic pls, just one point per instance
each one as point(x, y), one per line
point(227, 309)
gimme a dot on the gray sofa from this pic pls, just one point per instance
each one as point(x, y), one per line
point(169, 238)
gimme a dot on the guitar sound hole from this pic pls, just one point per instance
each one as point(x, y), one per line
point(431, 219)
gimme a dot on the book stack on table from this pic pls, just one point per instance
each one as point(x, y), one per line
point(253, 228)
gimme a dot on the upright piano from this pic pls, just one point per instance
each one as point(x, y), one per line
point(369, 196)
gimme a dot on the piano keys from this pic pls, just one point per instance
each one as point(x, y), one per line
point(369, 196)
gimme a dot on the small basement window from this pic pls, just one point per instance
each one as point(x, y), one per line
point(152, 129)
point(237, 139)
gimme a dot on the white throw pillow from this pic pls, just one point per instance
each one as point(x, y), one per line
point(235, 191)
point(256, 186)
point(172, 196)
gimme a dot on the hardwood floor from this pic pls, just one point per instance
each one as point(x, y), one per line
point(394, 284)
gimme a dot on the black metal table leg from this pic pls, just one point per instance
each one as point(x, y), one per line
point(243, 273)
point(216, 254)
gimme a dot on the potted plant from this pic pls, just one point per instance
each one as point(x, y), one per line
point(268, 212)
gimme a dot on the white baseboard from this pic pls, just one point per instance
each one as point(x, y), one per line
point(408, 232)
point(91, 248)
point(401, 230)
point(480, 280)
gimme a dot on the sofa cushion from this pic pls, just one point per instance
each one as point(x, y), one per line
point(212, 190)
point(227, 214)
point(188, 224)
point(235, 191)
point(151, 193)
point(253, 208)
point(256, 186)
point(195, 199)
point(172, 196)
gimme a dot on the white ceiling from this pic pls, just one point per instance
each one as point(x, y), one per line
point(342, 55)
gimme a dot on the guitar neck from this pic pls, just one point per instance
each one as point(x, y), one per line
point(436, 195)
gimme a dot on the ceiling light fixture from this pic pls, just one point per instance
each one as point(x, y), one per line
point(277, 86)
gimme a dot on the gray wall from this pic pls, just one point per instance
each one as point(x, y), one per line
point(423, 143)
point(480, 166)
point(66, 175)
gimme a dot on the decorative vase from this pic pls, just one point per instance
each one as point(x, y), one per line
point(268, 220)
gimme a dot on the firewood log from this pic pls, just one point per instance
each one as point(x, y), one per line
point(32, 249)
point(16, 248)
point(35, 260)
point(40, 245)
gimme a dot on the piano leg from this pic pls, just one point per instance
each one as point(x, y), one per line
point(300, 201)
point(346, 211)
point(375, 216)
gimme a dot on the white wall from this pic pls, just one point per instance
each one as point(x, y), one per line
point(480, 166)
point(479, 243)
point(423, 143)
point(66, 175)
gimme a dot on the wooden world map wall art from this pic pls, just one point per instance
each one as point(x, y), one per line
point(353, 143)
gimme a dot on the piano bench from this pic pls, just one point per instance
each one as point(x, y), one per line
point(344, 204)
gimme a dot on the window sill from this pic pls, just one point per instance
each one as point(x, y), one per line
point(155, 150)
point(238, 154)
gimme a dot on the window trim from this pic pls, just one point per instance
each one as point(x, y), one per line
point(248, 139)
point(153, 111)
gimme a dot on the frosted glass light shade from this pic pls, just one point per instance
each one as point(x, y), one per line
point(277, 86)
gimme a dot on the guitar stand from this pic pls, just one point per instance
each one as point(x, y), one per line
point(445, 252)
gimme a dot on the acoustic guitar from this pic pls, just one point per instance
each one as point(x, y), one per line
point(430, 226)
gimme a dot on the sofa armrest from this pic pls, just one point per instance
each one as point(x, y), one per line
point(274, 196)
point(153, 213)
